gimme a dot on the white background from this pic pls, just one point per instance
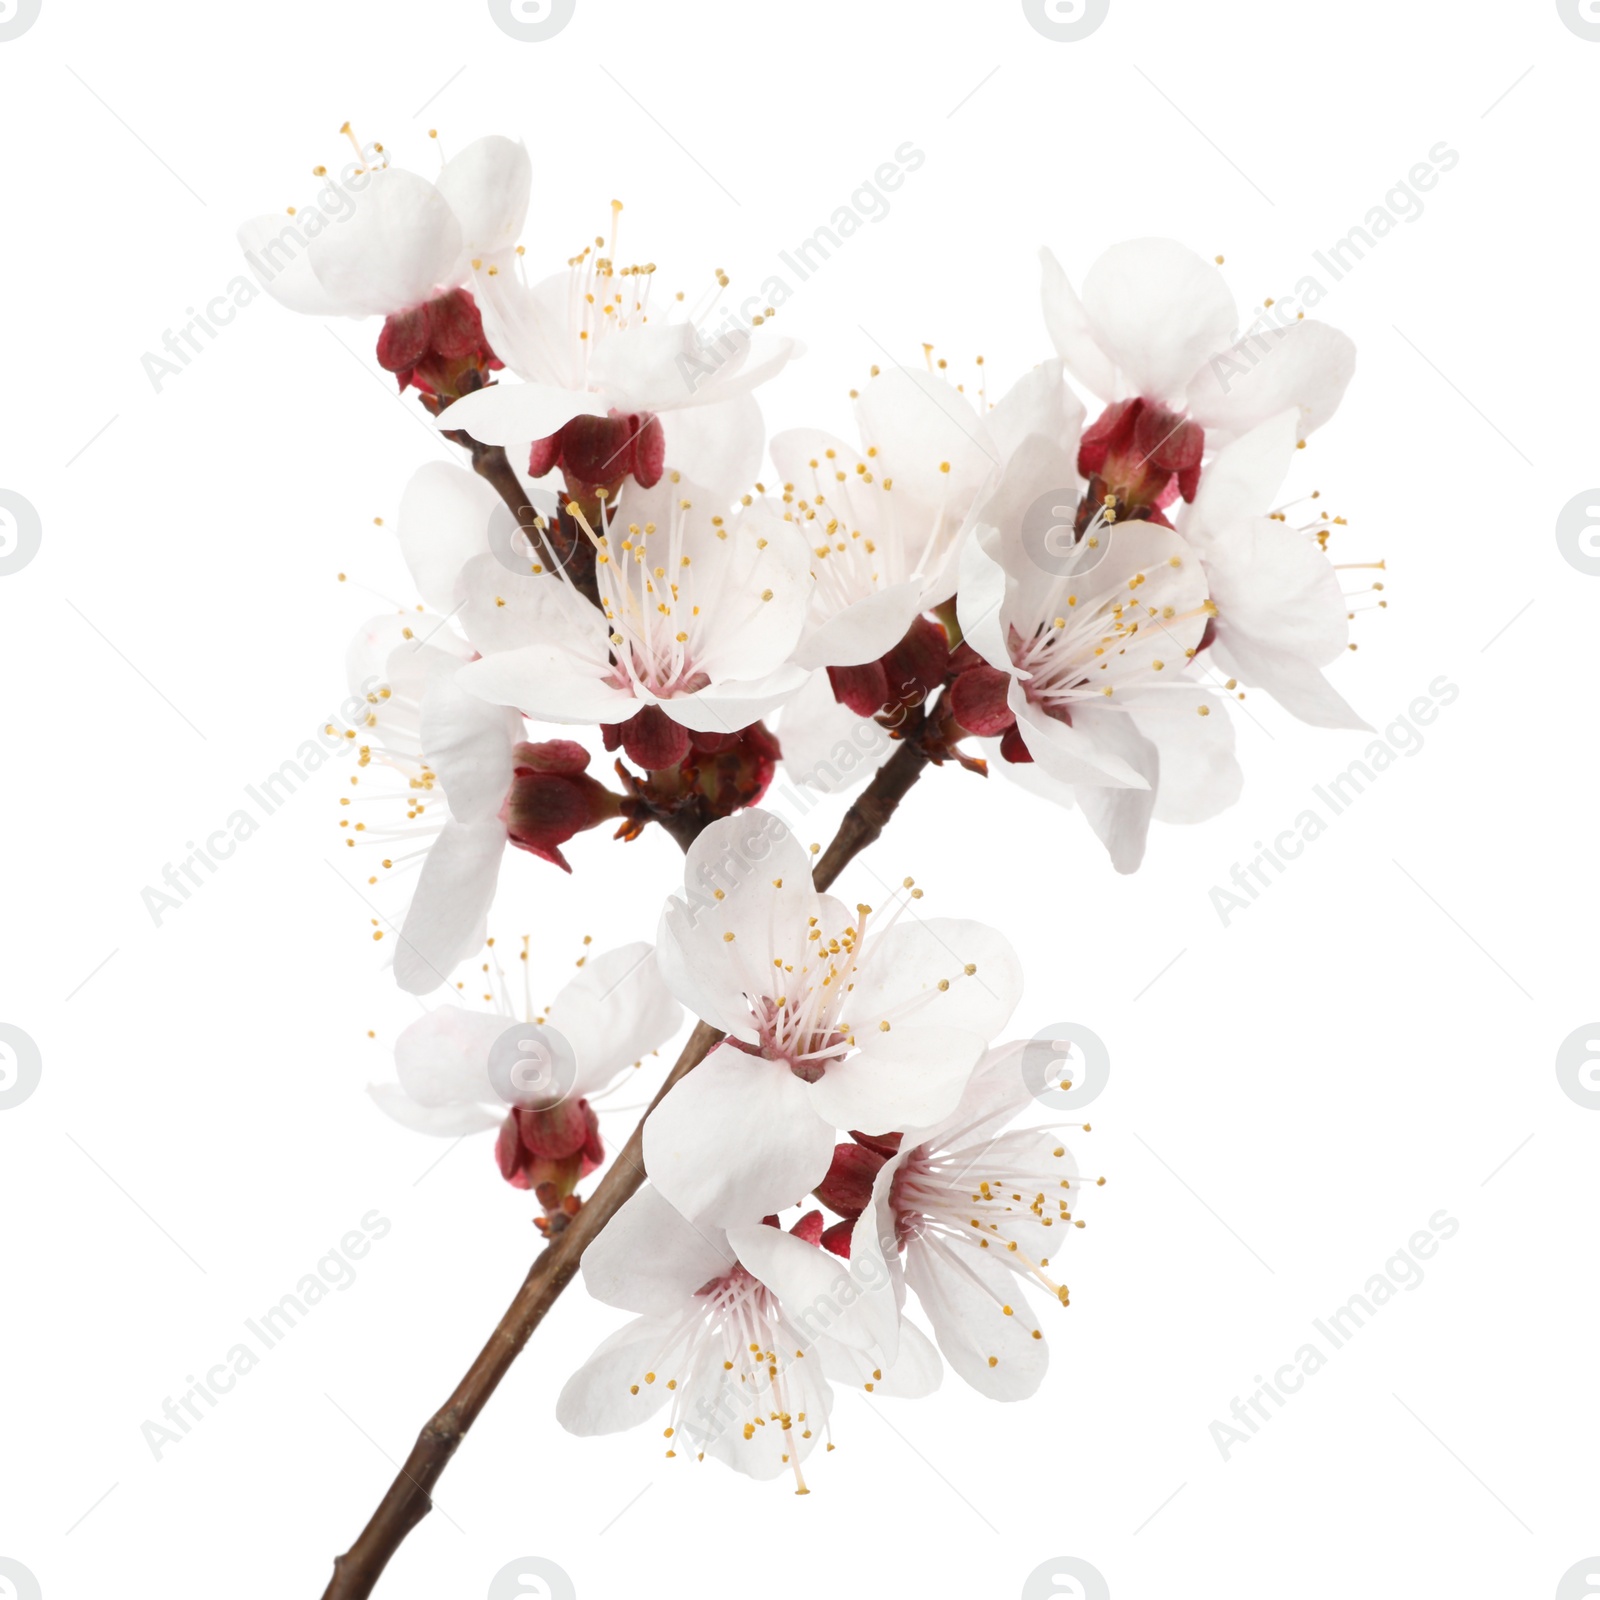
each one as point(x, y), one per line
point(1293, 1097)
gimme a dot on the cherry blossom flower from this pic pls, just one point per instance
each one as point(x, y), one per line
point(593, 342)
point(699, 615)
point(400, 247)
point(883, 522)
point(834, 1018)
point(1157, 323)
point(966, 1214)
point(736, 1335)
point(397, 240)
point(496, 789)
point(602, 1023)
point(1282, 614)
point(1081, 672)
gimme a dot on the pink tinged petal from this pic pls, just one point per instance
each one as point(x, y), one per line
point(487, 186)
point(652, 1259)
point(445, 514)
point(1121, 817)
point(1071, 334)
point(1304, 366)
point(747, 877)
point(907, 1078)
point(276, 249)
point(814, 1287)
point(468, 743)
point(608, 1394)
point(826, 746)
point(1241, 481)
point(1160, 312)
point(736, 1139)
point(440, 1122)
point(1200, 775)
point(442, 1059)
point(400, 244)
point(899, 979)
point(515, 414)
point(615, 1012)
point(963, 1292)
point(455, 889)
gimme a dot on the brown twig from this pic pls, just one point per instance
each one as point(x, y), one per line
point(408, 1500)
point(557, 536)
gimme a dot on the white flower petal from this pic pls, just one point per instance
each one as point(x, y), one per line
point(608, 1393)
point(862, 631)
point(487, 186)
point(455, 889)
point(1199, 775)
point(515, 414)
point(749, 877)
point(615, 1012)
point(442, 1059)
point(916, 1373)
point(719, 445)
point(936, 446)
point(1306, 366)
point(468, 743)
point(444, 521)
point(1120, 816)
point(814, 1286)
point(963, 1293)
point(1241, 481)
point(907, 1078)
point(276, 248)
point(401, 244)
point(441, 1122)
point(652, 1259)
point(1070, 332)
point(826, 746)
point(899, 976)
point(1159, 312)
point(736, 1139)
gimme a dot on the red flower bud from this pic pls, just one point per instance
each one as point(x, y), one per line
point(550, 1151)
point(847, 1188)
point(438, 347)
point(978, 701)
point(552, 797)
point(1142, 455)
point(596, 453)
point(650, 739)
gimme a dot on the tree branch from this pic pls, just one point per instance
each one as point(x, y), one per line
point(409, 1498)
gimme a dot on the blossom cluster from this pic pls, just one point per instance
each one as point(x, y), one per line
point(1067, 585)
